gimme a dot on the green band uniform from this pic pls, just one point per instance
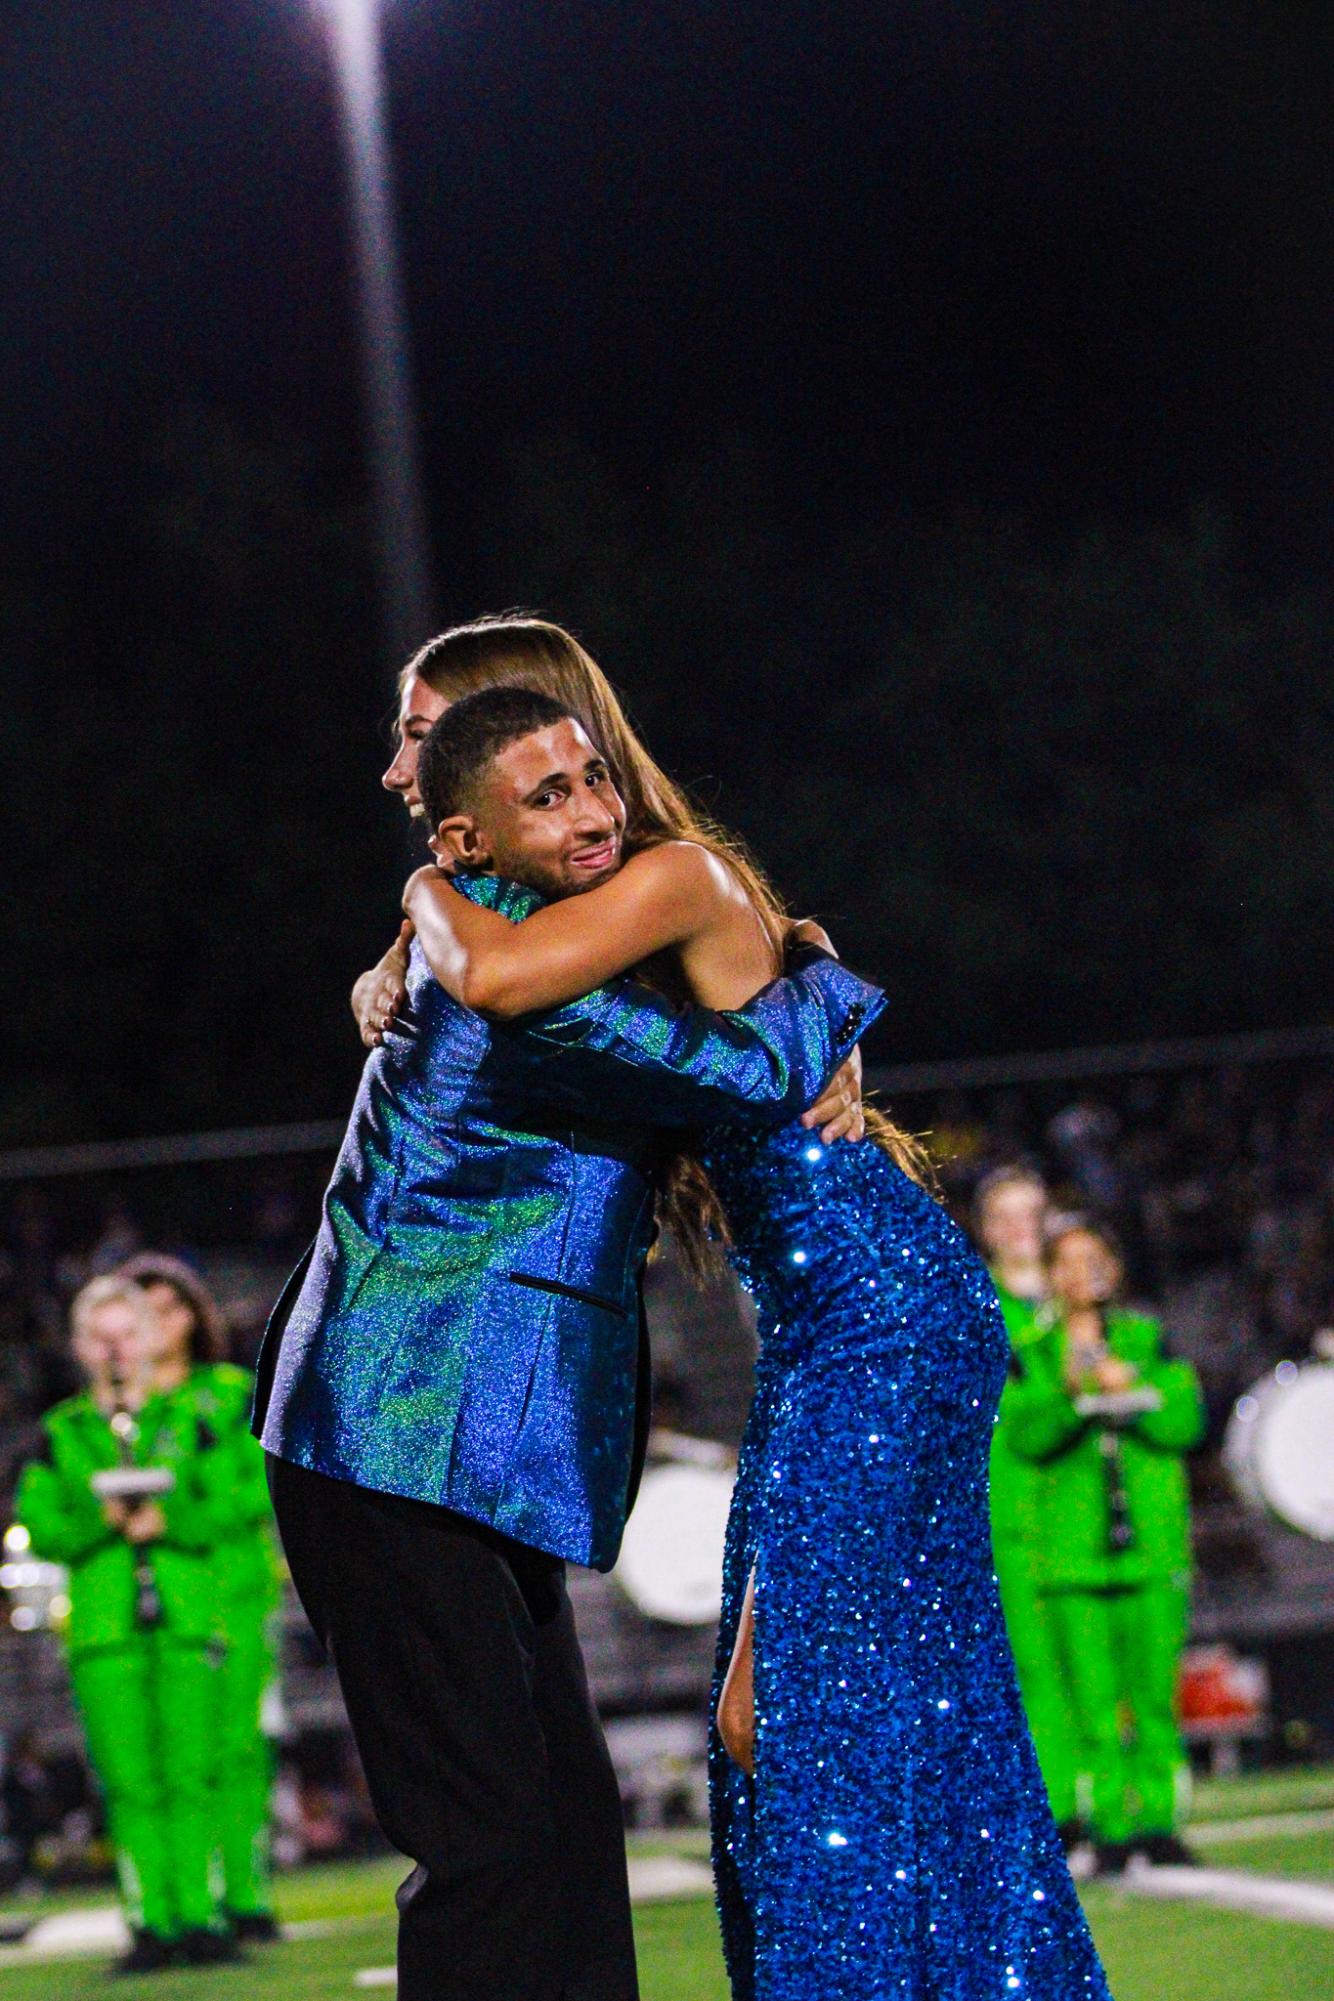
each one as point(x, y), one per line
point(1115, 1567)
point(1016, 1537)
point(148, 1693)
point(248, 1576)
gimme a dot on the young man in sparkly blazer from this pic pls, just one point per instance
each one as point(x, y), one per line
point(448, 1396)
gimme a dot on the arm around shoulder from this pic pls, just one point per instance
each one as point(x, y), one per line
point(662, 897)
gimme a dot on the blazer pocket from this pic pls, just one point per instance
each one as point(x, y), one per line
point(571, 1292)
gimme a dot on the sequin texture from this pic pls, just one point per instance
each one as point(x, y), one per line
point(896, 1839)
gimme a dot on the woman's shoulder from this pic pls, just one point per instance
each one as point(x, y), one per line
point(680, 865)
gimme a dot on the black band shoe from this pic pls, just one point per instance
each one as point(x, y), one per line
point(255, 1927)
point(149, 1953)
point(201, 1947)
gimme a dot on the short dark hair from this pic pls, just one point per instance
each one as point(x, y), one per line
point(462, 742)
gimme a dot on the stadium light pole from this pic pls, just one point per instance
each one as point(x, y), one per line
point(402, 544)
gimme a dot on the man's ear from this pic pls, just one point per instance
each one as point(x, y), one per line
point(458, 843)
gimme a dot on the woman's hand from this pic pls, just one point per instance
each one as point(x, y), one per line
point(839, 1113)
point(378, 996)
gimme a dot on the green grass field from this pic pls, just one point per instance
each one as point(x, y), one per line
point(1152, 1951)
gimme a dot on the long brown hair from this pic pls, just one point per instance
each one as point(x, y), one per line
point(517, 648)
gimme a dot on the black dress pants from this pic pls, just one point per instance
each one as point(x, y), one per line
point(487, 1766)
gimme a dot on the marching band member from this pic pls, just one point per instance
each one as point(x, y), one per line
point(1109, 1419)
point(127, 1490)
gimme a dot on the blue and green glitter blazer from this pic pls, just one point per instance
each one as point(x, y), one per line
point(465, 1328)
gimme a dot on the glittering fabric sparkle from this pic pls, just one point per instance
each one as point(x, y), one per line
point(896, 1839)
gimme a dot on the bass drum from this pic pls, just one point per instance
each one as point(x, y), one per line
point(1279, 1447)
point(671, 1562)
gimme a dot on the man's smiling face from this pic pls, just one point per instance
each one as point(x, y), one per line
point(545, 812)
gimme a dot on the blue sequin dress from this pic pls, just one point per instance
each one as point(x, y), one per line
point(896, 1839)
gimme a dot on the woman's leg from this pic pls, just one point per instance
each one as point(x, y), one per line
point(736, 1704)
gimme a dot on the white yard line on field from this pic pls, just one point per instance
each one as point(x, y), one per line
point(1262, 1826)
point(1237, 1890)
point(99, 1930)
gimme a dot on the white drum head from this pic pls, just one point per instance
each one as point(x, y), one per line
point(671, 1561)
point(1280, 1447)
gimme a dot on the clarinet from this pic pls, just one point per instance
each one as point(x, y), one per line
point(134, 1487)
point(1120, 1527)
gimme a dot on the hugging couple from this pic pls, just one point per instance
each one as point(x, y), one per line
point(598, 1020)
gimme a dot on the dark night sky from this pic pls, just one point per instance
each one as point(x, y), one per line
point(1061, 265)
point(1071, 258)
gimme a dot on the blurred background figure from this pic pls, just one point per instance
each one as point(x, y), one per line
point(1106, 1420)
point(247, 1576)
point(127, 1490)
point(27, 1810)
point(1010, 1213)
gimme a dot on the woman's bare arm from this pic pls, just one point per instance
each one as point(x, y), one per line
point(663, 897)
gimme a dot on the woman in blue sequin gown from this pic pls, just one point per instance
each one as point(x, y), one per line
point(895, 1838)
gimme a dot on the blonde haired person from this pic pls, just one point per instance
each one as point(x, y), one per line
point(1009, 1213)
point(247, 1575)
point(128, 1490)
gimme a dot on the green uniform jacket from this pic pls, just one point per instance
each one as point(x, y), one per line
point(1016, 1483)
point(1043, 1427)
point(246, 1563)
point(56, 1505)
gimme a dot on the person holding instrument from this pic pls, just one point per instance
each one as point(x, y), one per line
point(127, 1491)
point(1009, 1209)
point(880, 1823)
point(247, 1574)
point(1107, 1420)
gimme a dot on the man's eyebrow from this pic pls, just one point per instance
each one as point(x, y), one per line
point(597, 762)
point(552, 778)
